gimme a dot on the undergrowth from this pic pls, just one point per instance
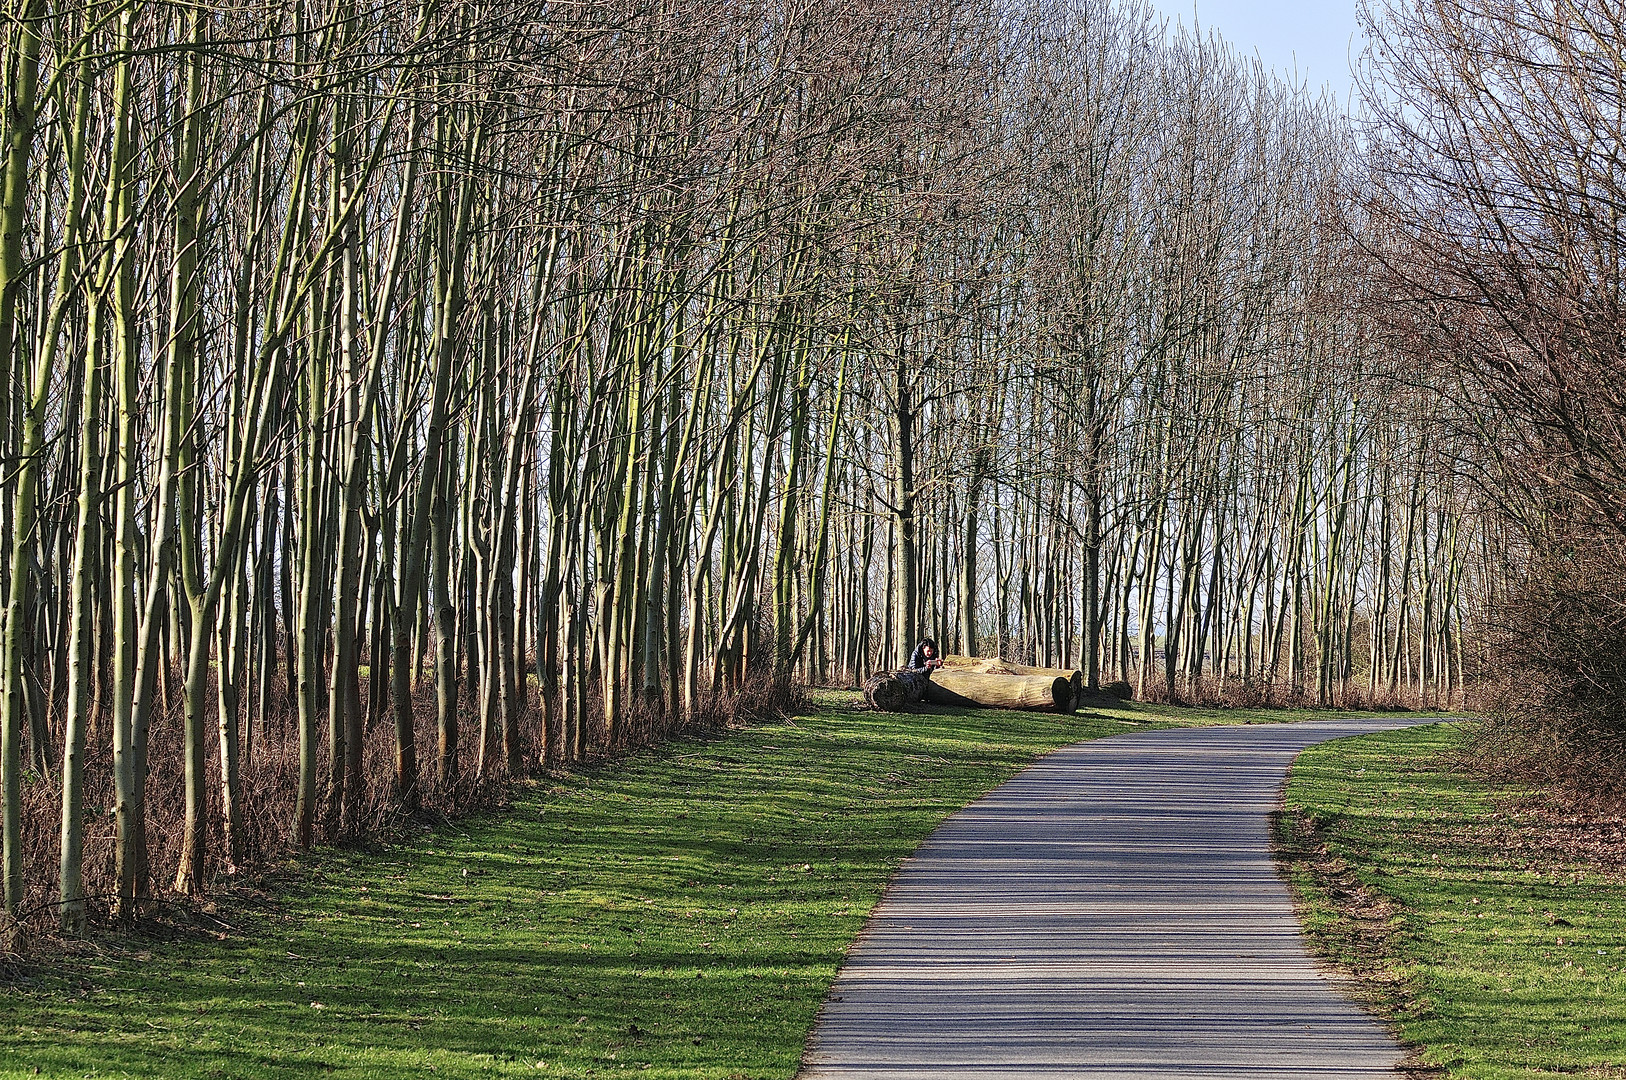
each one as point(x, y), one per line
point(269, 765)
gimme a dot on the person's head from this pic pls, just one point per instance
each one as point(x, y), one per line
point(928, 648)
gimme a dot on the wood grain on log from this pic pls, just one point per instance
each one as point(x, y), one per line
point(1044, 693)
point(996, 666)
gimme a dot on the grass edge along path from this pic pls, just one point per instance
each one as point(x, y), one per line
point(1492, 956)
point(677, 913)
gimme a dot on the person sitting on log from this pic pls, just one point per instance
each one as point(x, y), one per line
point(925, 657)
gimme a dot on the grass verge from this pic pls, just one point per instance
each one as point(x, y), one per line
point(677, 913)
point(1478, 919)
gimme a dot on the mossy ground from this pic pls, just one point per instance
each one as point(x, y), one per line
point(677, 913)
point(1498, 954)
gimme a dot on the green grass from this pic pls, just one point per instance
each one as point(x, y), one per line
point(1494, 955)
point(676, 914)
point(679, 913)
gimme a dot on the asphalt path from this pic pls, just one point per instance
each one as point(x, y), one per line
point(1113, 911)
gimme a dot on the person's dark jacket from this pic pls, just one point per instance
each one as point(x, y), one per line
point(917, 659)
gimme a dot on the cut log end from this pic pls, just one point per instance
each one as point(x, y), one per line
point(893, 691)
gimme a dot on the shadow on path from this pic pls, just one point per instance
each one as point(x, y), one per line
point(1114, 911)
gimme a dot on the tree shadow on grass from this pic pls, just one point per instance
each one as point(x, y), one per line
point(679, 913)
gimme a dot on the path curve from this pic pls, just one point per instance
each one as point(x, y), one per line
point(1113, 911)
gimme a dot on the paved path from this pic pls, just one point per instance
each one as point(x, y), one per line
point(1111, 912)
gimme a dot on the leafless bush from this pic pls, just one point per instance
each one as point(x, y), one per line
point(1555, 714)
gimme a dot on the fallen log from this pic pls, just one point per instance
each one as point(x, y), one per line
point(996, 666)
point(890, 691)
point(1044, 693)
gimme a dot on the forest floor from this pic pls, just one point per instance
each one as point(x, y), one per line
point(1488, 924)
point(677, 913)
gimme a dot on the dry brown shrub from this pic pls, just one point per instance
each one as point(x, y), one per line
point(1555, 706)
point(269, 777)
point(1256, 692)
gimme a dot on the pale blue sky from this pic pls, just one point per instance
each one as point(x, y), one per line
point(1319, 34)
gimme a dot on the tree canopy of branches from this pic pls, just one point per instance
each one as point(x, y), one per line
point(1494, 208)
point(399, 397)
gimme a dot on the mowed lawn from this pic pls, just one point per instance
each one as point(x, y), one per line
point(1498, 948)
point(679, 913)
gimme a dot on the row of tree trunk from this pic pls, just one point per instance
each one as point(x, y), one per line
point(400, 397)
